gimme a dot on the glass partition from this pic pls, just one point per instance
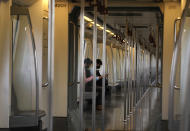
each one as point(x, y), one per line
point(179, 81)
point(24, 104)
point(185, 70)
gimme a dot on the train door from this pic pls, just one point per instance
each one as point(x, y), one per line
point(179, 78)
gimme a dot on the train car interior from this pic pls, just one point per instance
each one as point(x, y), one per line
point(94, 65)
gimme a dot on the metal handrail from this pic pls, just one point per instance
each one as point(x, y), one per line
point(74, 83)
point(45, 84)
point(175, 28)
point(177, 88)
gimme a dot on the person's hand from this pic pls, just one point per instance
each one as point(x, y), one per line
point(100, 77)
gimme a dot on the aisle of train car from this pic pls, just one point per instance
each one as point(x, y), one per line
point(94, 65)
point(114, 114)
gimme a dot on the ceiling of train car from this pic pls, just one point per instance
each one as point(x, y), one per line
point(142, 21)
point(142, 18)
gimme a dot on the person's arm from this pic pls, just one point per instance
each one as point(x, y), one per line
point(87, 79)
point(91, 78)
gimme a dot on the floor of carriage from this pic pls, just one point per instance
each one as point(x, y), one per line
point(114, 114)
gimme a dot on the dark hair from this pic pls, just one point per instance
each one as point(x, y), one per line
point(87, 61)
point(98, 61)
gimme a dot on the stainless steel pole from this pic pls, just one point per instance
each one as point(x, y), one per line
point(131, 76)
point(82, 29)
point(157, 53)
point(104, 73)
point(94, 69)
point(112, 59)
point(125, 83)
point(128, 79)
point(51, 62)
point(135, 76)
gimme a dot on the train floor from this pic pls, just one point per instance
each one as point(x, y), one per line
point(149, 118)
point(114, 114)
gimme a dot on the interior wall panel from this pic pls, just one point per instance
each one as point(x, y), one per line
point(5, 52)
point(61, 61)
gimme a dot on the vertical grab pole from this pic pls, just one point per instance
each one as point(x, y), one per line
point(112, 60)
point(135, 78)
point(125, 83)
point(157, 53)
point(104, 74)
point(125, 75)
point(94, 68)
point(51, 62)
point(129, 78)
point(81, 64)
point(135, 67)
point(138, 72)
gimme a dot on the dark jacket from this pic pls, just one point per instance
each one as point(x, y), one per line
point(99, 82)
point(88, 85)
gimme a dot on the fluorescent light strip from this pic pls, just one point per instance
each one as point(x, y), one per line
point(88, 19)
point(99, 26)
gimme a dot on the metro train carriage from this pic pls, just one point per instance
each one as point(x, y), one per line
point(94, 65)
